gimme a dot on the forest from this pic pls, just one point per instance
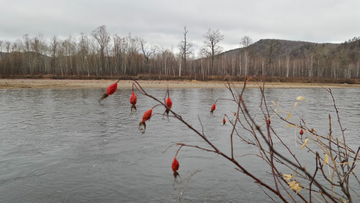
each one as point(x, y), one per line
point(102, 55)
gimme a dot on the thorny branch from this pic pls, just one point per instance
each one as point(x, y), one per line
point(271, 155)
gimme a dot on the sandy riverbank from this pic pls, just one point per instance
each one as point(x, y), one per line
point(77, 84)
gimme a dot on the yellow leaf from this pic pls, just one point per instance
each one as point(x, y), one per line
point(326, 159)
point(295, 104)
point(292, 184)
point(289, 125)
point(305, 142)
point(300, 98)
point(342, 200)
point(288, 116)
point(287, 177)
point(297, 188)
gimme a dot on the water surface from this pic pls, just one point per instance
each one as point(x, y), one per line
point(60, 145)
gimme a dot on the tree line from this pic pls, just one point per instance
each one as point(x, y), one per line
point(100, 54)
point(103, 54)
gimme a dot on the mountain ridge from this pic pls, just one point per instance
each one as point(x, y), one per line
point(291, 47)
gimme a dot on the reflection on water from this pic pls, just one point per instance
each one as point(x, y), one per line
point(61, 146)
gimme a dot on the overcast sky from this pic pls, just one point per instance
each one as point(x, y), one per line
point(162, 22)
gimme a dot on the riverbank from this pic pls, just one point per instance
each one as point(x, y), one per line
point(126, 84)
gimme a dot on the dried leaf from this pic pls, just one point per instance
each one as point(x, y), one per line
point(305, 142)
point(295, 104)
point(297, 188)
point(342, 200)
point(289, 125)
point(300, 98)
point(288, 116)
point(292, 184)
point(326, 159)
point(287, 177)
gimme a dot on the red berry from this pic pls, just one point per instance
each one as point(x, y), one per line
point(168, 102)
point(147, 115)
point(175, 165)
point(268, 121)
point(301, 132)
point(111, 89)
point(133, 98)
point(213, 107)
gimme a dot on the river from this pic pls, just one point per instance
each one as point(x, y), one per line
point(60, 145)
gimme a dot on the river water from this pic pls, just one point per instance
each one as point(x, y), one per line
point(60, 145)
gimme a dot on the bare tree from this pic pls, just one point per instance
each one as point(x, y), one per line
point(5, 69)
point(7, 46)
point(27, 56)
point(69, 48)
point(54, 46)
point(185, 48)
point(147, 52)
point(35, 45)
point(287, 65)
point(322, 59)
point(272, 50)
point(103, 38)
point(118, 52)
point(211, 44)
point(39, 47)
point(83, 52)
point(246, 42)
point(15, 58)
point(132, 49)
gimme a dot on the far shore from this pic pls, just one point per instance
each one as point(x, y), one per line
point(126, 84)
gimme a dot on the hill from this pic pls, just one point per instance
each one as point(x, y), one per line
point(282, 48)
point(299, 59)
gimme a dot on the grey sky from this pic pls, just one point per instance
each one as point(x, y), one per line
point(161, 22)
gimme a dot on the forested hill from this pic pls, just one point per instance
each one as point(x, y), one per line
point(297, 58)
point(295, 49)
point(281, 48)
